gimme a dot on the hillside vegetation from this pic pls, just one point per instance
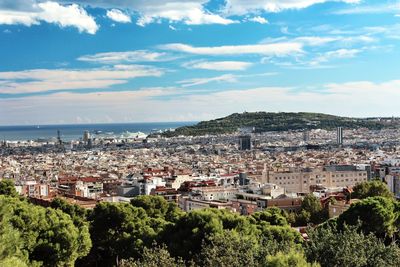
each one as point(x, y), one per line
point(282, 121)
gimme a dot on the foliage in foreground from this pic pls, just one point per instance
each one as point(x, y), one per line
point(349, 247)
point(371, 189)
point(40, 236)
point(152, 232)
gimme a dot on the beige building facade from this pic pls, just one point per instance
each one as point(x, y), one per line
point(301, 181)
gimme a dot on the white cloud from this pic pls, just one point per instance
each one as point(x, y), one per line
point(41, 80)
point(190, 13)
point(72, 15)
point(336, 54)
point(387, 31)
point(258, 19)
point(323, 40)
point(370, 9)
point(128, 56)
point(118, 16)
point(218, 65)
point(200, 81)
point(51, 12)
point(16, 17)
point(226, 78)
point(276, 49)
point(359, 99)
point(243, 7)
point(315, 40)
point(343, 53)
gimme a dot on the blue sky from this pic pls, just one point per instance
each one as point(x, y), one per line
point(159, 60)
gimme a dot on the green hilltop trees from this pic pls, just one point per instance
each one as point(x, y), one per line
point(270, 121)
point(151, 232)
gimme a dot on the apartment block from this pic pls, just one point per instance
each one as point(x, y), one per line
point(301, 181)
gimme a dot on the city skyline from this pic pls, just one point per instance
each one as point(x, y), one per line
point(66, 62)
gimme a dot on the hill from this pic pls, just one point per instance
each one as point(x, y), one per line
point(282, 121)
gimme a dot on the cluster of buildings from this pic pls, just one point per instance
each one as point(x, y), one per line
point(243, 173)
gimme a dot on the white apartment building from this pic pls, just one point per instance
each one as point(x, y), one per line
point(215, 193)
point(89, 189)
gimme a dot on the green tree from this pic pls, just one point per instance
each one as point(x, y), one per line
point(185, 238)
point(377, 215)
point(371, 189)
point(78, 216)
point(12, 252)
point(281, 234)
point(292, 258)
point(7, 188)
point(77, 213)
point(230, 248)
point(349, 247)
point(119, 231)
point(302, 218)
point(312, 205)
point(271, 216)
point(49, 236)
point(158, 207)
point(156, 256)
point(13, 261)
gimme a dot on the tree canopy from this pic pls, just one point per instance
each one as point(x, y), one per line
point(151, 232)
point(349, 247)
point(371, 189)
point(377, 215)
point(47, 236)
point(7, 188)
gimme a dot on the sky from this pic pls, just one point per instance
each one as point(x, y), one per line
point(109, 61)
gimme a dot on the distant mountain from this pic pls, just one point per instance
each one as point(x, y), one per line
point(282, 121)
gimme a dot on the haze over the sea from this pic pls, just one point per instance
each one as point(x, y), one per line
point(75, 132)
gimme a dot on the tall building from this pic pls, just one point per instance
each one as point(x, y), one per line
point(59, 141)
point(339, 135)
point(245, 142)
point(306, 136)
point(86, 136)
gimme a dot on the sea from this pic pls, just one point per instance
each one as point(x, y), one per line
point(75, 132)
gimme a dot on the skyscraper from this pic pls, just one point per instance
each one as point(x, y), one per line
point(86, 136)
point(339, 135)
point(245, 142)
point(306, 136)
point(59, 141)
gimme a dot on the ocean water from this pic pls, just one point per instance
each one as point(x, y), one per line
point(75, 132)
